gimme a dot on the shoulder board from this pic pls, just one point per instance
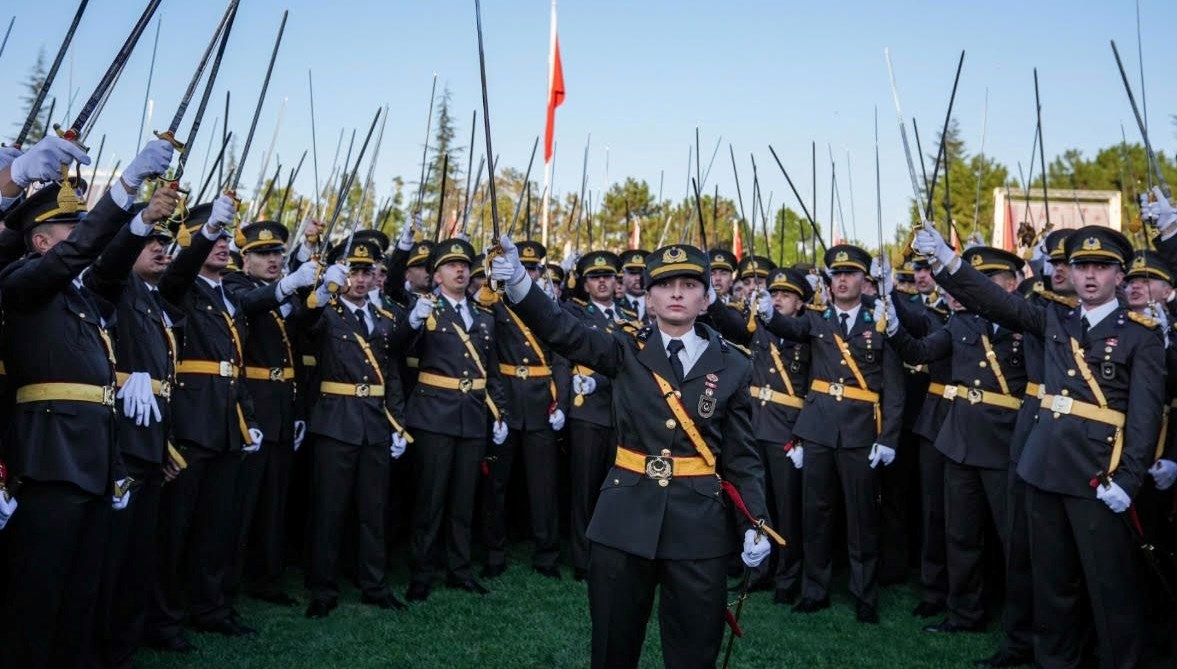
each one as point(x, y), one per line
point(577, 300)
point(630, 327)
point(742, 349)
point(483, 308)
point(907, 290)
point(1142, 320)
point(385, 313)
point(644, 333)
point(1071, 302)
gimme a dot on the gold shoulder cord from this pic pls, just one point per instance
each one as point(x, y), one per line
point(1085, 371)
point(494, 410)
point(244, 426)
point(995, 364)
point(543, 360)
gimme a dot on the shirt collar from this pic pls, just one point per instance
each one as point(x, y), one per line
point(455, 303)
point(211, 284)
point(853, 312)
point(355, 307)
point(1097, 314)
point(692, 342)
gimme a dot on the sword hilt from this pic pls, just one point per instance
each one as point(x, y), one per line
point(170, 138)
point(70, 135)
point(489, 292)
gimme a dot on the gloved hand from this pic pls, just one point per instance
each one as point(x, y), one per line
point(556, 420)
point(880, 453)
point(1157, 312)
point(583, 385)
point(333, 275)
point(880, 310)
point(764, 306)
point(1145, 205)
point(120, 502)
point(43, 162)
point(797, 455)
point(7, 508)
point(255, 441)
point(421, 312)
point(892, 319)
point(887, 278)
point(300, 434)
point(505, 268)
point(1039, 252)
point(569, 261)
point(300, 278)
point(1114, 496)
point(223, 213)
point(398, 445)
point(139, 402)
point(929, 242)
point(712, 296)
point(7, 155)
point(1164, 473)
point(404, 242)
point(152, 161)
point(499, 432)
point(1161, 210)
point(756, 548)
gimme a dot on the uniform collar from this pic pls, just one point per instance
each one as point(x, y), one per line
point(1097, 314)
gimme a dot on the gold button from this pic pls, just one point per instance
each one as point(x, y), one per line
point(671, 424)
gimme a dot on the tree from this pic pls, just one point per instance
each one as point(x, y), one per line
point(442, 147)
point(33, 84)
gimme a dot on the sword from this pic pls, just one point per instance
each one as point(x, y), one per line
point(349, 177)
point(445, 169)
point(425, 148)
point(915, 184)
point(469, 200)
point(235, 180)
point(6, 34)
point(35, 109)
point(486, 293)
point(315, 144)
point(804, 209)
point(1041, 152)
point(526, 180)
point(1136, 531)
point(1154, 168)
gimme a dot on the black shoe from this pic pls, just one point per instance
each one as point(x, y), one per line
point(229, 626)
point(865, 613)
point(491, 571)
point(320, 608)
point(579, 574)
point(928, 610)
point(173, 644)
point(948, 626)
point(278, 598)
point(785, 596)
point(807, 605)
point(1004, 658)
point(418, 592)
point(385, 601)
point(552, 572)
point(467, 584)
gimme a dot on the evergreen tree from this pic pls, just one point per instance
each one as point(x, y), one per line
point(33, 84)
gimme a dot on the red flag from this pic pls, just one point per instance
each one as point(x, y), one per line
point(555, 88)
point(737, 243)
point(1008, 239)
point(635, 235)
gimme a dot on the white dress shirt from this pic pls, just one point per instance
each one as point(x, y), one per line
point(693, 347)
point(462, 308)
point(1097, 314)
point(218, 287)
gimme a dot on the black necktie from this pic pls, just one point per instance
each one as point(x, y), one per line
point(461, 317)
point(1085, 325)
point(363, 322)
point(845, 323)
point(673, 348)
point(224, 298)
point(609, 313)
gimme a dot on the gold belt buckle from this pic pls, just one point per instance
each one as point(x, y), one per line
point(950, 392)
point(276, 374)
point(522, 371)
point(765, 394)
point(363, 390)
point(1062, 404)
point(165, 390)
point(108, 395)
point(975, 396)
point(660, 468)
point(465, 385)
point(225, 368)
point(837, 390)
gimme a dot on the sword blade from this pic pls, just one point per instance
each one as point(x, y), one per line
point(226, 19)
point(257, 110)
point(204, 98)
point(35, 109)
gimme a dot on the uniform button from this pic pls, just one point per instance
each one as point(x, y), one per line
point(1107, 357)
point(842, 362)
point(1107, 349)
point(81, 315)
point(666, 452)
point(465, 355)
point(771, 370)
point(982, 364)
point(1070, 372)
point(976, 382)
point(616, 481)
point(678, 394)
point(365, 378)
point(1110, 440)
point(671, 424)
point(1065, 392)
point(525, 361)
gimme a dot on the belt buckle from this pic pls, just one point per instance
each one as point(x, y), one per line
point(660, 468)
point(522, 371)
point(465, 385)
point(975, 396)
point(225, 368)
point(165, 390)
point(276, 374)
point(950, 392)
point(837, 390)
point(108, 395)
point(765, 394)
point(363, 390)
point(1062, 404)
point(1041, 392)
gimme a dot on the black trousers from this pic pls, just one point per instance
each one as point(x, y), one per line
point(784, 492)
point(826, 469)
point(592, 450)
point(540, 462)
point(1017, 618)
point(1079, 545)
point(262, 491)
point(933, 561)
point(447, 476)
point(347, 474)
point(54, 565)
point(690, 608)
point(895, 512)
point(195, 537)
point(971, 496)
point(128, 568)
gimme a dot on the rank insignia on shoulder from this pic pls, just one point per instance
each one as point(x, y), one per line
point(1142, 320)
point(827, 314)
point(645, 333)
point(742, 349)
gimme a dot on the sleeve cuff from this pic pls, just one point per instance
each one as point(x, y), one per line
point(211, 236)
point(139, 227)
point(7, 203)
point(121, 197)
point(518, 291)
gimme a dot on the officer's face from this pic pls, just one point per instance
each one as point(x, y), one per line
point(633, 282)
point(1006, 280)
point(1142, 290)
point(751, 284)
point(152, 261)
point(618, 289)
point(722, 280)
point(359, 282)
point(264, 265)
point(379, 275)
point(418, 279)
point(847, 286)
point(677, 301)
point(869, 288)
point(1060, 277)
point(453, 277)
point(737, 291)
point(218, 259)
point(1095, 283)
point(600, 287)
point(924, 282)
point(786, 302)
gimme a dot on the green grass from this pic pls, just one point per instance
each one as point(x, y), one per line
point(531, 622)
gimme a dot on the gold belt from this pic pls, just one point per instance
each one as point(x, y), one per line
point(412, 363)
point(766, 394)
point(1063, 405)
point(936, 389)
point(161, 388)
point(309, 361)
point(839, 391)
point(525, 371)
point(1035, 390)
point(978, 396)
point(67, 392)
point(450, 383)
point(208, 367)
point(662, 468)
point(279, 374)
point(351, 389)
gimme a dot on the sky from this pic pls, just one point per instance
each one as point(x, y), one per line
point(640, 76)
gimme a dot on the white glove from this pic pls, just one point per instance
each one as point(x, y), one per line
point(1164, 473)
point(556, 420)
point(1114, 496)
point(300, 278)
point(499, 432)
point(7, 507)
point(1161, 210)
point(886, 279)
point(405, 241)
point(505, 268)
point(120, 502)
point(300, 433)
point(797, 455)
point(880, 310)
point(152, 161)
point(44, 161)
point(1039, 252)
point(139, 402)
point(569, 261)
point(583, 385)
point(764, 305)
point(421, 312)
point(398, 445)
point(255, 441)
point(1157, 312)
point(7, 155)
point(333, 275)
point(712, 296)
point(223, 213)
point(929, 242)
point(892, 319)
point(880, 453)
point(756, 548)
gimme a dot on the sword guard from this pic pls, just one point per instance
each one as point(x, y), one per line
point(70, 135)
point(170, 138)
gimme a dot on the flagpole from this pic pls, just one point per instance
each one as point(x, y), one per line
point(550, 154)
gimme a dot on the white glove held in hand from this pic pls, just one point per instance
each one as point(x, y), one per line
point(1114, 496)
point(405, 241)
point(152, 161)
point(929, 242)
point(764, 305)
point(421, 312)
point(300, 278)
point(892, 319)
point(505, 268)
point(755, 549)
point(334, 275)
point(139, 402)
point(398, 445)
point(300, 433)
point(255, 441)
point(797, 455)
point(43, 162)
point(556, 420)
point(223, 213)
point(120, 502)
point(880, 453)
point(7, 155)
point(1161, 210)
point(500, 432)
point(1164, 473)
point(583, 385)
point(7, 508)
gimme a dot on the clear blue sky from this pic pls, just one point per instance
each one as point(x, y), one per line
point(640, 77)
